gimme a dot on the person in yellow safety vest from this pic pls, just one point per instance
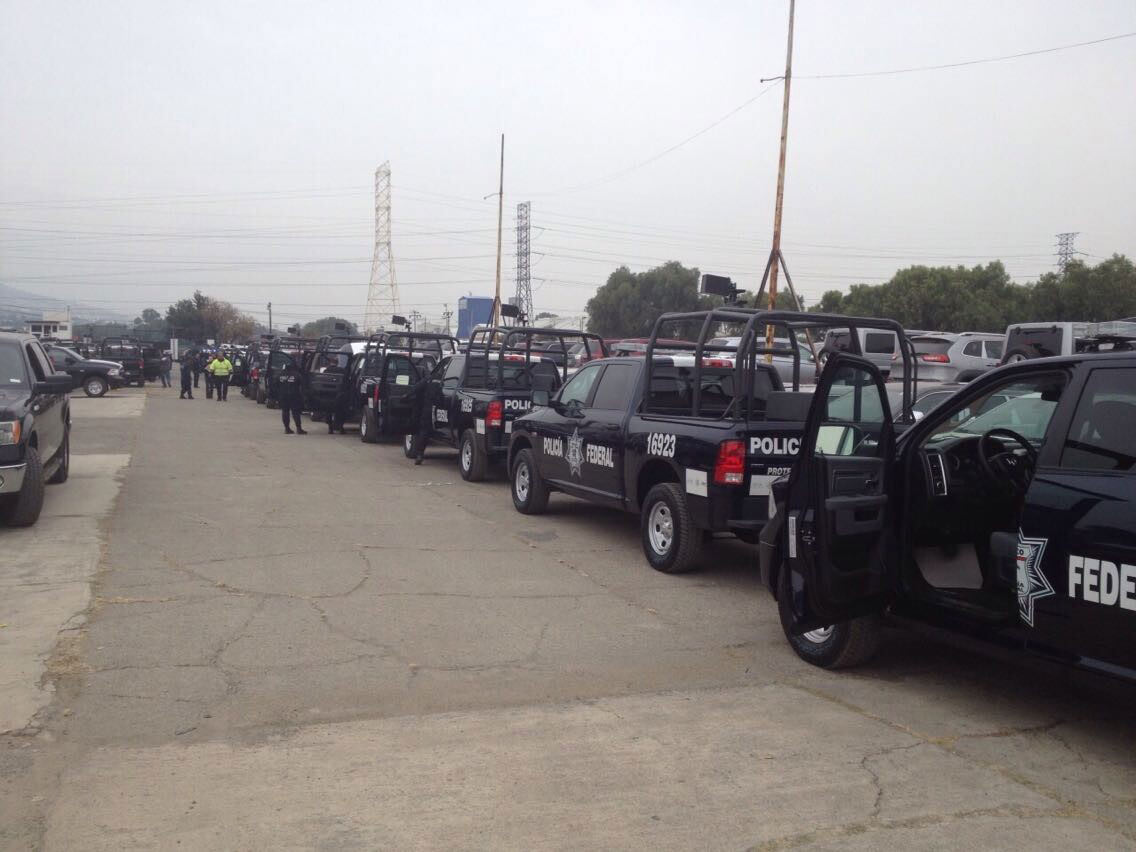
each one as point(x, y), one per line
point(221, 368)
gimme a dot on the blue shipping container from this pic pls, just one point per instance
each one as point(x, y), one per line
point(473, 311)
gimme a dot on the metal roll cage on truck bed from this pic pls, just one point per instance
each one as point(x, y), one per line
point(691, 436)
point(391, 362)
point(482, 343)
point(754, 322)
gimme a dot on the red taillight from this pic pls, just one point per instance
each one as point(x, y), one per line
point(495, 414)
point(729, 468)
point(936, 358)
point(718, 362)
point(254, 374)
point(514, 357)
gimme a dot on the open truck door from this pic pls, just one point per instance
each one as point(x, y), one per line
point(836, 549)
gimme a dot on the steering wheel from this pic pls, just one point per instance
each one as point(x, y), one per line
point(1005, 469)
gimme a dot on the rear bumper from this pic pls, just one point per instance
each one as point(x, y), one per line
point(12, 477)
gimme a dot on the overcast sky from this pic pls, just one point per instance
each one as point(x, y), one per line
point(151, 148)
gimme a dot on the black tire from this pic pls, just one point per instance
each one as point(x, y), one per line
point(471, 461)
point(840, 646)
point(408, 446)
point(260, 398)
point(23, 508)
point(530, 493)
point(269, 402)
point(670, 539)
point(95, 386)
point(64, 469)
point(369, 427)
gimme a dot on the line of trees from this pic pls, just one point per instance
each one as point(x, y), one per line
point(204, 318)
point(940, 298)
point(983, 298)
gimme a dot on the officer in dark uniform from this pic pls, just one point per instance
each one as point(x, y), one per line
point(187, 364)
point(290, 397)
point(418, 394)
point(197, 365)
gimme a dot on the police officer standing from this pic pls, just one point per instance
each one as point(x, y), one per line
point(196, 363)
point(418, 394)
point(288, 393)
point(221, 368)
point(188, 362)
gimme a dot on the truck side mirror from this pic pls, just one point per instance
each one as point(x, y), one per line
point(55, 385)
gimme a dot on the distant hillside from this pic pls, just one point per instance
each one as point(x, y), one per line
point(17, 306)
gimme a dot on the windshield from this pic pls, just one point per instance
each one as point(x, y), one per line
point(13, 374)
point(931, 345)
point(1026, 415)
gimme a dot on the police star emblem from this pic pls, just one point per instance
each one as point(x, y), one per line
point(1032, 582)
point(575, 454)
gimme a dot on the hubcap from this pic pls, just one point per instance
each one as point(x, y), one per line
point(522, 482)
point(94, 387)
point(408, 442)
point(1014, 359)
point(467, 455)
point(819, 636)
point(660, 528)
point(363, 425)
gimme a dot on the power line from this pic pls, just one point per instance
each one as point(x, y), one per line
point(921, 68)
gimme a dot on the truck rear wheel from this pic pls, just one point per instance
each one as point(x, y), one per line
point(530, 494)
point(260, 399)
point(837, 646)
point(670, 540)
point(369, 427)
point(471, 460)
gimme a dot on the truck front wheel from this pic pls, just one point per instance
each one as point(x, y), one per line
point(670, 540)
point(837, 646)
point(24, 507)
point(369, 427)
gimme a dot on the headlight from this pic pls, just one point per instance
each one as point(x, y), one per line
point(10, 432)
point(114, 371)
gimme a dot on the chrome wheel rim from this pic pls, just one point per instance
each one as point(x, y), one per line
point(521, 484)
point(408, 442)
point(1015, 359)
point(819, 636)
point(363, 425)
point(94, 388)
point(467, 455)
point(660, 528)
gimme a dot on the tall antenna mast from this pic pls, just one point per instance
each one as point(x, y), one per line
point(382, 295)
point(780, 199)
point(524, 279)
point(500, 214)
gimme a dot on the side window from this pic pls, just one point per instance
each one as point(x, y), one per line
point(59, 359)
point(994, 349)
point(856, 413)
point(1102, 435)
point(452, 372)
point(974, 349)
point(616, 387)
point(579, 387)
point(41, 367)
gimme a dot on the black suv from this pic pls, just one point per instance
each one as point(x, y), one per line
point(35, 427)
point(95, 377)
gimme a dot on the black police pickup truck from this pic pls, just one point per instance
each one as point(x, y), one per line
point(390, 364)
point(1014, 523)
point(35, 427)
point(95, 377)
point(691, 440)
point(475, 397)
point(127, 352)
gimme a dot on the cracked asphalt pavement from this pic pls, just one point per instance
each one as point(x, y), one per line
point(222, 637)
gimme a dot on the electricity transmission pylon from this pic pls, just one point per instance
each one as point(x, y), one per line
point(382, 295)
point(524, 279)
point(1065, 250)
